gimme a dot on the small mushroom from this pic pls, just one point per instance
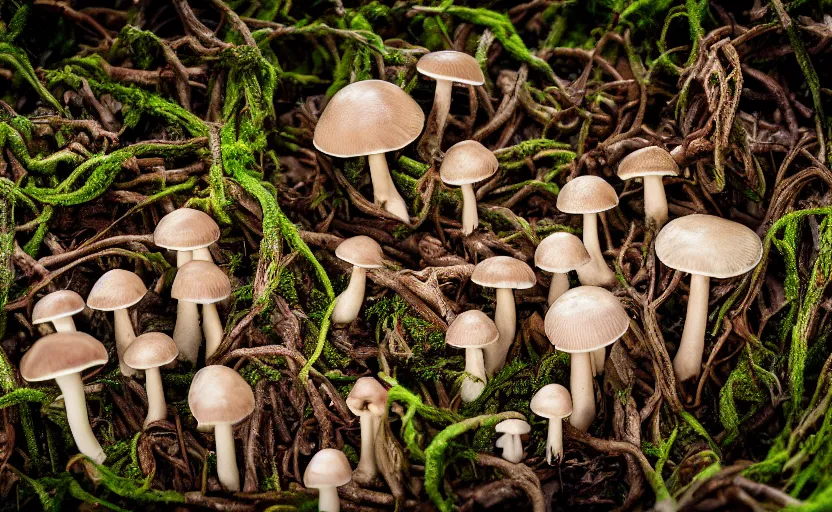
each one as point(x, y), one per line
point(370, 118)
point(505, 274)
point(650, 164)
point(327, 471)
point(63, 356)
point(116, 291)
point(704, 246)
point(198, 282)
point(58, 308)
point(560, 253)
point(189, 232)
point(362, 252)
point(554, 403)
point(368, 401)
point(588, 196)
point(148, 352)
point(510, 441)
point(582, 320)
point(220, 398)
point(466, 163)
point(473, 331)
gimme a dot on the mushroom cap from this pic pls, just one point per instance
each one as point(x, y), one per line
point(451, 65)
point(150, 350)
point(649, 161)
point(367, 394)
point(552, 401)
point(504, 272)
point(368, 117)
point(201, 282)
point(328, 468)
point(361, 251)
point(561, 252)
point(708, 246)
point(587, 194)
point(186, 229)
point(472, 329)
point(116, 289)
point(467, 162)
point(219, 395)
point(513, 426)
point(584, 319)
point(60, 304)
point(61, 353)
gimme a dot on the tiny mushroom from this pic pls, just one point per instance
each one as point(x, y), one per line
point(554, 403)
point(466, 163)
point(588, 196)
point(58, 308)
point(473, 331)
point(650, 164)
point(362, 252)
point(189, 232)
point(198, 282)
point(116, 291)
point(582, 320)
point(368, 401)
point(63, 356)
point(505, 274)
point(148, 352)
point(510, 441)
point(560, 253)
point(704, 246)
point(370, 118)
point(328, 470)
point(219, 397)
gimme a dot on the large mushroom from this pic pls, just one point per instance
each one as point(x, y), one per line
point(560, 253)
point(149, 352)
point(704, 246)
point(510, 442)
point(198, 282)
point(650, 164)
point(363, 253)
point(368, 401)
point(189, 232)
point(58, 308)
point(475, 332)
point(554, 403)
point(328, 470)
point(370, 118)
point(466, 163)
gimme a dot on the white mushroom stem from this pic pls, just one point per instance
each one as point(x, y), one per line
point(186, 333)
point(596, 272)
point(505, 316)
point(367, 470)
point(348, 304)
point(559, 286)
point(437, 119)
point(513, 448)
point(65, 324)
point(554, 442)
point(328, 500)
point(688, 358)
point(599, 357)
point(384, 191)
point(583, 393)
point(474, 365)
point(202, 254)
point(183, 257)
point(212, 327)
point(655, 201)
point(124, 337)
point(76, 415)
point(157, 408)
point(470, 218)
point(227, 471)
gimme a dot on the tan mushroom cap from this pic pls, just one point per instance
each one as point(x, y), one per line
point(584, 319)
point(60, 304)
point(328, 468)
point(361, 251)
point(467, 162)
point(649, 161)
point(150, 350)
point(451, 65)
point(116, 289)
point(708, 246)
point(201, 282)
point(367, 394)
point(513, 426)
point(219, 395)
point(472, 329)
point(587, 194)
point(62, 353)
point(368, 117)
point(186, 229)
point(561, 252)
point(552, 401)
point(504, 272)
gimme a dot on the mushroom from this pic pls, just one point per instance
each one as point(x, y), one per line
point(327, 471)
point(116, 291)
point(473, 331)
point(189, 232)
point(446, 67)
point(560, 253)
point(58, 308)
point(510, 441)
point(63, 356)
point(198, 282)
point(588, 196)
point(370, 118)
point(466, 163)
point(219, 397)
point(362, 252)
point(584, 319)
point(704, 246)
point(368, 401)
point(505, 274)
point(148, 352)
point(650, 164)
point(554, 403)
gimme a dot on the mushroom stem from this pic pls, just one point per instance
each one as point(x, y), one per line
point(583, 393)
point(183, 257)
point(599, 357)
point(596, 272)
point(212, 327)
point(559, 286)
point(474, 365)
point(513, 449)
point(65, 324)
point(76, 415)
point(186, 333)
point(505, 317)
point(384, 191)
point(227, 471)
point(348, 304)
point(655, 201)
point(328, 500)
point(470, 219)
point(688, 360)
point(431, 141)
point(156, 406)
point(202, 254)
point(366, 470)
point(554, 442)
point(124, 337)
